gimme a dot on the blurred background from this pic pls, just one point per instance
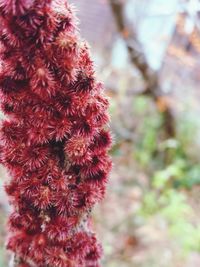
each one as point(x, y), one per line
point(148, 54)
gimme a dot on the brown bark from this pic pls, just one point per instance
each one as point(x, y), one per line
point(138, 59)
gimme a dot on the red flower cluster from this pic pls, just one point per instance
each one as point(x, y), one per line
point(55, 139)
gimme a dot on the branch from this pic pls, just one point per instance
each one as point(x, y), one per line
point(133, 45)
point(138, 59)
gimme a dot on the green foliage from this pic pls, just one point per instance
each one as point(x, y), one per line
point(166, 176)
point(141, 104)
point(148, 126)
point(173, 207)
point(180, 170)
point(172, 169)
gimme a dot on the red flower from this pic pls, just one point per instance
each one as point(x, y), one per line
point(28, 221)
point(60, 229)
point(54, 141)
point(84, 247)
point(34, 157)
point(36, 249)
point(42, 82)
point(57, 257)
point(69, 202)
point(20, 243)
point(11, 131)
point(77, 148)
point(15, 7)
point(23, 265)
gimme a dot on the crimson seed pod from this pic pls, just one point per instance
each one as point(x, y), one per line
point(55, 138)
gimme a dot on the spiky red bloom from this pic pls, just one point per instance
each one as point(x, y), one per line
point(55, 140)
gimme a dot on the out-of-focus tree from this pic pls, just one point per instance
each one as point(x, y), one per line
point(138, 59)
